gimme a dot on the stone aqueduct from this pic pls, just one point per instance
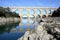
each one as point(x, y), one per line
point(34, 9)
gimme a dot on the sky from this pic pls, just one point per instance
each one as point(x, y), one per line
point(34, 3)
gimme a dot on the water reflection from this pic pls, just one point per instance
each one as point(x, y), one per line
point(13, 31)
point(7, 27)
point(6, 34)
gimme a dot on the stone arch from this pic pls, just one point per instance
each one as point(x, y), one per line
point(39, 16)
point(52, 10)
point(49, 11)
point(44, 11)
point(43, 16)
point(24, 11)
point(49, 15)
point(31, 11)
point(38, 11)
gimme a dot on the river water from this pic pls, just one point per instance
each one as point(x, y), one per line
point(13, 31)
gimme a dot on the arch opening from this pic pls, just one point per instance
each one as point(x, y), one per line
point(24, 11)
point(31, 11)
point(49, 11)
point(44, 12)
point(43, 16)
point(38, 11)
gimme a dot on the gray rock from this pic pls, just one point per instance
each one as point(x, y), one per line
point(40, 34)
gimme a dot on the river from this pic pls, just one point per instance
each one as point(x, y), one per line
point(13, 31)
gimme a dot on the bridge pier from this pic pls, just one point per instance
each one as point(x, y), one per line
point(47, 13)
point(21, 17)
point(35, 15)
point(28, 17)
point(40, 14)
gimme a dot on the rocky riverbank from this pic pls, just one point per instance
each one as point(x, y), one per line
point(39, 34)
point(8, 20)
point(49, 29)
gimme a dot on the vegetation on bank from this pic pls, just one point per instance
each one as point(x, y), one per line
point(6, 12)
point(56, 13)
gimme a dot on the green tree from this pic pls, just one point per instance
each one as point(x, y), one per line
point(5, 12)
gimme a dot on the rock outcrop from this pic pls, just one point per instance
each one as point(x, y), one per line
point(49, 29)
point(39, 34)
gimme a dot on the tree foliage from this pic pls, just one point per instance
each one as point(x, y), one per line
point(5, 12)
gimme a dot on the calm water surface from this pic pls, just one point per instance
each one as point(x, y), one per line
point(13, 31)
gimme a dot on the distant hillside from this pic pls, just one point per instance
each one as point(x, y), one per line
point(56, 13)
point(5, 12)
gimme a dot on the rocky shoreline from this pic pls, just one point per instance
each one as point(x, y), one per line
point(8, 20)
point(46, 30)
